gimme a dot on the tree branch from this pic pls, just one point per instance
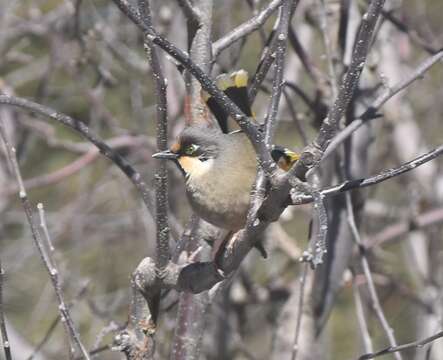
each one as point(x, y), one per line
point(393, 349)
point(371, 112)
point(245, 29)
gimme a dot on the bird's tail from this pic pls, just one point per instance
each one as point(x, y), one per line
point(235, 86)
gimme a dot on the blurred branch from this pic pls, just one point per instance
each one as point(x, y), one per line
point(412, 34)
point(301, 294)
point(59, 175)
point(5, 341)
point(71, 332)
point(268, 54)
point(325, 29)
point(371, 112)
point(347, 88)
point(393, 349)
point(190, 11)
point(391, 232)
point(84, 131)
point(253, 24)
point(370, 282)
point(361, 318)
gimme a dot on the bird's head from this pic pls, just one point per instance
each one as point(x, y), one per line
point(194, 151)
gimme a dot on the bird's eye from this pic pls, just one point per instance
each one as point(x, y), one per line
point(191, 149)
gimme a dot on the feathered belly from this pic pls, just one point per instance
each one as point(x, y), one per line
point(227, 210)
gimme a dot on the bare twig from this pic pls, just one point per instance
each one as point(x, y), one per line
point(329, 127)
point(325, 29)
point(370, 282)
point(5, 341)
point(371, 112)
point(299, 311)
point(84, 131)
point(245, 29)
point(387, 174)
point(393, 231)
point(277, 83)
point(393, 349)
point(363, 325)
point(71, 332)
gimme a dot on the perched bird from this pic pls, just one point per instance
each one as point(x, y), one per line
point(220, 167)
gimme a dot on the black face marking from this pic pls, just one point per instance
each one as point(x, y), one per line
point(198, 142)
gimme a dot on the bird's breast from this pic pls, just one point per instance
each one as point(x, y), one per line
point(221, 200)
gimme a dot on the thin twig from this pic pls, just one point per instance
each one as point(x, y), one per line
point(384, 175)
point(362, 323)
point(85, 132)
point(277, 83)
point(71, 332)
point(297, 122)
point(350, 82)
point(299, 311)
point(49, 332)
point(393, 231)
point(370, 282)
point(5, 341)
point(325, 30)
point(394, 349)
point(246, 28)
point(371, 112)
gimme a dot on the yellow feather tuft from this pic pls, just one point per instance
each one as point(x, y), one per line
point(240, 78)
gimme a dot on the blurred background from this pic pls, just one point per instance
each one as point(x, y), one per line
point(86, 59)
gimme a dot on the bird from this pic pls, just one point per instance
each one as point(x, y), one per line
point(220, 166)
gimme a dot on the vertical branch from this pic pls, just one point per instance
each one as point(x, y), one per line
point(5, 340)
point(192, 308)
point(71, 331)
point(161, 179)
point(371, 286)
point(362, 323)
point(277, 83)
point(301, 295)
point(200, 51)
point(327, 44)
point(347, 88)
point(137, 340)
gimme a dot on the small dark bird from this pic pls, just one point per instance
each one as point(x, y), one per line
point(220, 167)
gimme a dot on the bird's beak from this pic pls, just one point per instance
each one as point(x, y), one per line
point(167, 154)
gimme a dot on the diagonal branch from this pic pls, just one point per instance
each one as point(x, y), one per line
point(393, 349)
point(384, 175)
point(347, 88)
point(246, 28)
point(81, 128)
point(71, 331)
point(371, 112)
